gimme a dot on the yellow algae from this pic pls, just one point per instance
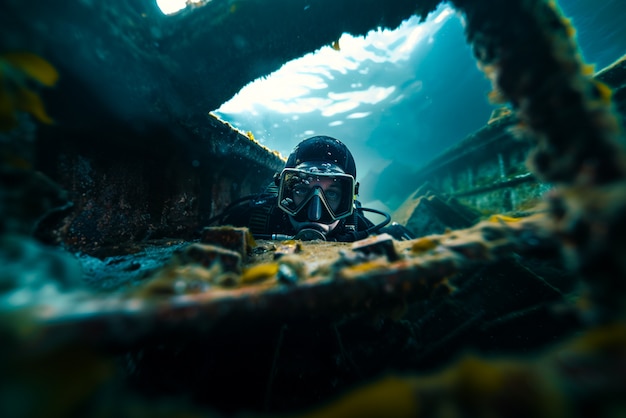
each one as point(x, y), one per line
point(588, 69)
point(34, 66)
point(259, 272)
point(391, 397)
point(15, 161)
point(471, 387)
point(180, 279)
point(16, 70)
point(604, 91)
point(503, 218)
point(368, 266)
point(476, 378)
point(484, 388)
point(423, 245)
point(28, 101)
point(84, 371)
point(496, 97)
point(610, 338)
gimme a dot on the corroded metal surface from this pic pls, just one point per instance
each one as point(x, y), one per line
point(181, 294)
point(570, 118)
point(576, 134)
point(201, 285)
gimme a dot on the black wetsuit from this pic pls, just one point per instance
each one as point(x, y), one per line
point(264, 218)
point(261, 214)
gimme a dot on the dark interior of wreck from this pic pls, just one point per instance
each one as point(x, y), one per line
point(105, 205)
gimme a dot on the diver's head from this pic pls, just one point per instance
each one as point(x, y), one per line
point(317, 187)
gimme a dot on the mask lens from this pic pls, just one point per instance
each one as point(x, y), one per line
point(325, 196)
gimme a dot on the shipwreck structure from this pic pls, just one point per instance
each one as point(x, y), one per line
point(114, 299)
point(133, 141)
point(487, 172)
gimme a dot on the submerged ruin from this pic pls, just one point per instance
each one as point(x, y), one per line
point(116, 298)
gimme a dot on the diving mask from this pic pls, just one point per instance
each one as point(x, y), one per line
point(316, 192)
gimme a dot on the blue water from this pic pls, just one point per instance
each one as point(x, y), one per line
point(601, 32)
point(440, 98)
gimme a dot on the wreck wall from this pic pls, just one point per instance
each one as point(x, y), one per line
point(488, 169)
point(125, 189)
point(132, 143)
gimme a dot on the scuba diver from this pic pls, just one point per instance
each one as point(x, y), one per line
point(314, 197)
